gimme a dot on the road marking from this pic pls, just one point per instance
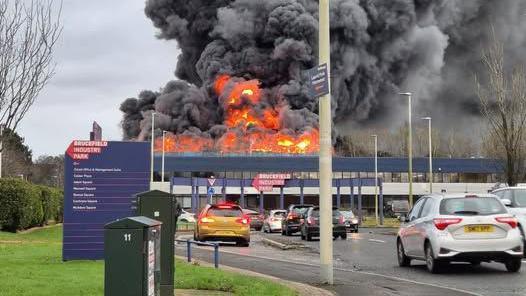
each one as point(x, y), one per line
point(356, 271)
point(523, 261)
point(376, 240)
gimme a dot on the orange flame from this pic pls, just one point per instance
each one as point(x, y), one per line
point(251, 129)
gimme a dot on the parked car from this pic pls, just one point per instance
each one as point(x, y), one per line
point(223, 222)
point(470, 228)
point(310, 226)
point(396, 208)
point(514, 198)
point(350, 220)
point(256, 219)
point(186, 217)
point(273, 221)
point(291, 223)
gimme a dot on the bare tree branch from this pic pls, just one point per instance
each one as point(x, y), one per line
point(29, 31)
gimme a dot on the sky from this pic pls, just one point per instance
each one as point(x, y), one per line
point(107, 52)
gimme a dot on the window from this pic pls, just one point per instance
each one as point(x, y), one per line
point(471, 206)
point(427, 208)
point(415, 211)
point(507, 194)
point(520, 198)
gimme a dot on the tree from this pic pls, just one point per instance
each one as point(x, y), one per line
point(503, 105)
point(48, 170)
point(17, 157)
point(29, 31)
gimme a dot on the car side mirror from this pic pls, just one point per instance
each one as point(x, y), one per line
point(506, 202)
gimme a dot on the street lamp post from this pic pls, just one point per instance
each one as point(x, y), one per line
point(152, 148)
point(375, 137)
point(325, 155)
point(409, 147)
point(430, 154)
point(162, 158)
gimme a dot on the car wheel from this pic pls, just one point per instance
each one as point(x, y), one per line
point(283, 230)
point(433, 265)
point(288, 232)
point(356, 230)
point(308, 236)
point(513, 265)
point(403, 260)
point(302, 235)
point(344, 236)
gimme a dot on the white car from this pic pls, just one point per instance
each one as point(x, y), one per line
point(273, 221)
point(186, 217)
point(441, 229)
point(515, 199)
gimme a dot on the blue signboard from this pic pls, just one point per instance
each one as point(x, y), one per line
point(318, 80)
point(101, 179)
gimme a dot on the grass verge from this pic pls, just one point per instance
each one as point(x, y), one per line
point(31, 264)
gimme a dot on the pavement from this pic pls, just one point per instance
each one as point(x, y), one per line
point(366, 264)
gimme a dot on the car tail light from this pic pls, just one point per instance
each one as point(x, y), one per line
point(443, 223)
point(291, 216)
point(511, 221)
point(243, 220)
point(311, 221)
point(342, 219)
point(206, 220)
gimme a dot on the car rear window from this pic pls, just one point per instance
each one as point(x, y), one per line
point(347, 214)
point(226, 212)
point(520, 198)
point(280, 214)
point(299, 210)
point(316, 213)
point(471, 206)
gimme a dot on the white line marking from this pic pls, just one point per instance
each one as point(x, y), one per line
point(376, 240)
point(523, 261)
point(356, 271)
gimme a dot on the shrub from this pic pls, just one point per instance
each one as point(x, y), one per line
point(50, 203)
point(20, 205)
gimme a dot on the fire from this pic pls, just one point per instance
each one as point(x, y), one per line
point(252, 126)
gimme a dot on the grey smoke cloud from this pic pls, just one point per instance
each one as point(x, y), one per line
point(378, 47)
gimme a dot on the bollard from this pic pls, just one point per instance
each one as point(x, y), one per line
point(216, 255)
point(189, 250)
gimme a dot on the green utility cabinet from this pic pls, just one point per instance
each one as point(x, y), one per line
point(132, 257)
point(162, 206)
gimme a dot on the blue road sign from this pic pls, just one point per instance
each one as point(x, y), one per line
point(211, 191)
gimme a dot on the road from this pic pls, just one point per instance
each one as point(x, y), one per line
point(367, 262)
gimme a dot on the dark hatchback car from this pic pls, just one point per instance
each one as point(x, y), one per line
point(292, 221)
point(311, 224)
point(256, 219)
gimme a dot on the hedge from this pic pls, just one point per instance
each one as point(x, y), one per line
point(24, 205)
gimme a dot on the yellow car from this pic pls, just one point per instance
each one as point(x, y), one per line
point(223, 222)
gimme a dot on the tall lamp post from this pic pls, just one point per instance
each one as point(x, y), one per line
point(152, 147)
point(409, 148)
point(430, 154)
point(162, 158)
point(325, 156)
point(375, 137)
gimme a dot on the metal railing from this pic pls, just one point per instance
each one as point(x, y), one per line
point(189, 243)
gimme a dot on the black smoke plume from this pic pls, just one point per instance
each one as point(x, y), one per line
point(378, 48)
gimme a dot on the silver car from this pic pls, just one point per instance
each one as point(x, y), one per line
point(273, 221)
point(441, 229)
point(515, 199)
